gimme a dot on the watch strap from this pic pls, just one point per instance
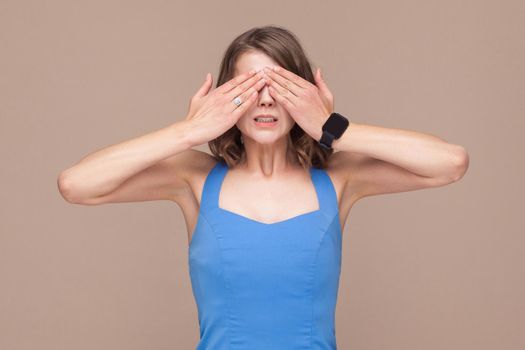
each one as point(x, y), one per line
point(333, 128)
point(326, 140)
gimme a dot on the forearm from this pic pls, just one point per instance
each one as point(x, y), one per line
point(104, 170)
point(420, 153)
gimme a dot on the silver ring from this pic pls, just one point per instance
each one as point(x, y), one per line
point(237, 101)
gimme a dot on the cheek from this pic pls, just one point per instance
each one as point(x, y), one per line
point(283, 112)
point(244, 122)
point(286, 117)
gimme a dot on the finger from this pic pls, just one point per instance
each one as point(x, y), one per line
point(284, 86)
point(325, 93)
point(284, 100)
point(245, 96)
point(319, 79)
point(206, 86)
point(284, 82)
point(255, 80)
point(321, 83)
point(284, 73)
point(281, 93)
point(239, 111)
point(232, 83)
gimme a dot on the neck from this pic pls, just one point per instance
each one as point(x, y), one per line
point(268, 158)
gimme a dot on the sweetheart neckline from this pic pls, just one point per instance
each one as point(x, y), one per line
point(311, 212)
point(201, 216)
point(312, 180)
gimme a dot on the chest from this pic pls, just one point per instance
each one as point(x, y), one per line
point(266, 200)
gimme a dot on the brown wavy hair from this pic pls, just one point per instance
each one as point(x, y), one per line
point(284, 48)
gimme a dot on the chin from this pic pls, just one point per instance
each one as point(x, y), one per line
point(265, 140)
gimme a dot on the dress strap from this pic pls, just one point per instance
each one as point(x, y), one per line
point(212, 184)
point(322, 182)
point(325, 191)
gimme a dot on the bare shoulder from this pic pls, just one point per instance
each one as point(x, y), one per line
point(197, 165)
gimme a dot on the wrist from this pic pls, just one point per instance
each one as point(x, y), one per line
point(333, 128)
point(340, 143)
point(183, 131)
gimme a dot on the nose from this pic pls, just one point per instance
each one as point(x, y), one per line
point(265, 99)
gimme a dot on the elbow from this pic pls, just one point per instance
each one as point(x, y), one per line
point(66, 189)
point(461, 163)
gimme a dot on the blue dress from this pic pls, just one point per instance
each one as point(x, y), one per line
point(261, 286)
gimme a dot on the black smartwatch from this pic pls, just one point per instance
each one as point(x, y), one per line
point(333, 128)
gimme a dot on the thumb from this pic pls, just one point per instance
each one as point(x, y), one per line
point(320, 81)
point(206, 86)
point(324, 91)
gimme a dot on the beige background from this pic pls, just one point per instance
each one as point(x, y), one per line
point(433, 269)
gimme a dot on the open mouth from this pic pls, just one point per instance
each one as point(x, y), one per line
point(265, 118)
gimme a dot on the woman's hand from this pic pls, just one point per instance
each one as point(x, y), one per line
point(308, 104)
point(213, 113)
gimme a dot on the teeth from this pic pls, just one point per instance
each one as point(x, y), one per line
point(265, 120)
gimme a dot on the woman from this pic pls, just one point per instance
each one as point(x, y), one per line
point(265, 212)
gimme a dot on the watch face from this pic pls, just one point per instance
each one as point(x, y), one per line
point(336, 124)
